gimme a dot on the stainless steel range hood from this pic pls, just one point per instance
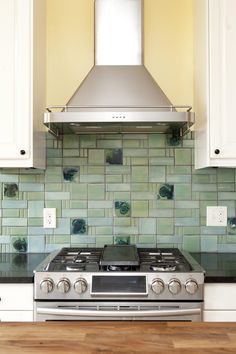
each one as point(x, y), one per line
point(118, 95)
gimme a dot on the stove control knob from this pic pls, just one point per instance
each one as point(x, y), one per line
point(174, 286)
point(191, 286)
point(47, 285)
point(63, 286)
point(80, 286)
point(157, 286)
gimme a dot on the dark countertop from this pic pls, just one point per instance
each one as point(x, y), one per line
point(18, 268)
point(219, 267)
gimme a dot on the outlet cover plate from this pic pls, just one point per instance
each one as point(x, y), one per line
point(49, 218)
point(216, 216)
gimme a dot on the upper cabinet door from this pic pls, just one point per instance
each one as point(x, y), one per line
point(21, 118)
point(215, 77)
point(222, 52)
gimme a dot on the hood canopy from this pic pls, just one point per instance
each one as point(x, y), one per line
point(118, 95)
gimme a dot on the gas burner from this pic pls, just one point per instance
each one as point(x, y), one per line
point(115, 268)
point(76, 267)
point(162, 267)
point(80, 259)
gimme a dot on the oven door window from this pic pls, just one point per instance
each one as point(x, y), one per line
point(121, 285)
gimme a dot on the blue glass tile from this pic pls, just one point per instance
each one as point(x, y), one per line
point(114, 156)
point(78, 226)
point(166, 191)
point(10, 190)
point(122, 208)
point(70, 174)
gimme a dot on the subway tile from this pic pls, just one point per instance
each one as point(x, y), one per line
point(131, 143)
point(70, 161)
point(165, 226)
point(96, 213)
point(204, 187)
point(156, 140)
point(142, 161)
point(186, 221)
point(78, 239)
point(139, 174)
point(187, 204)
point(122, 221)
point(100, 221)
point(92, 178)
point(95, 204)
point(14, 221)
point(139, 208)
point(227, 195)
point(135, 136)
point(147, 226)
point(96, 157)
point(117, 170)
point(143, 196)
point(157, 174)
point(12, 204)
point(69, 213)
point(135, 152)
point(35, 209)
point(104, 240)
point(57, 195)
point(114, 179)
point(36, 244)
point(122, 187)
point(225, 175)
point(161, 213)
point(90, 194)
point(161, 161)
point(88, 141)
point(119, 230)
point(71, 141)
point(113, 144)
point(104, 230)
point(96, 191)
point(183, 157)
point(139, 187)
point(157, 153)
point(192, 243)
point(71, 153)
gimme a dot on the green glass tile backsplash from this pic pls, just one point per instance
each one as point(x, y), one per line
point(121, 189)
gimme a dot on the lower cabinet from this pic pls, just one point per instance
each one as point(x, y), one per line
point(219, 302)
point(16, 302)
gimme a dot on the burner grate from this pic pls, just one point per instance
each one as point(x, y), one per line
point(75, 259)
point(164, 260)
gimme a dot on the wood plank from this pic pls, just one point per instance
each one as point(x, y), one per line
point(117, 337)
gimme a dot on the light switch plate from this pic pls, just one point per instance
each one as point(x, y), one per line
point(216, 216)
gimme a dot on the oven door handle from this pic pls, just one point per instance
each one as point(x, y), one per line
point(118, 313)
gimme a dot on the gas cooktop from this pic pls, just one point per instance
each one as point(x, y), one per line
point(119, 258)
point(118, 271)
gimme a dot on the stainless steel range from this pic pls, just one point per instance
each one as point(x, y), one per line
point(119, 283)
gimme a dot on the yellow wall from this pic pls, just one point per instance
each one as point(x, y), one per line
point(70, 43)
point(168, 44)
point(168, 47)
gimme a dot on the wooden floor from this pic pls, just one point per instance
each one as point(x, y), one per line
point(117, 337)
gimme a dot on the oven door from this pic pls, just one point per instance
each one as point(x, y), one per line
point(121, 310)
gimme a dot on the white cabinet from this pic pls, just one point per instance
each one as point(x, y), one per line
point(22, 93)
point(219, 302)
point(16, 302)
point(215, 77)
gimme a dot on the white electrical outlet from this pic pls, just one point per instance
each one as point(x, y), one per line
point(49, 218)
point(216, 216)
